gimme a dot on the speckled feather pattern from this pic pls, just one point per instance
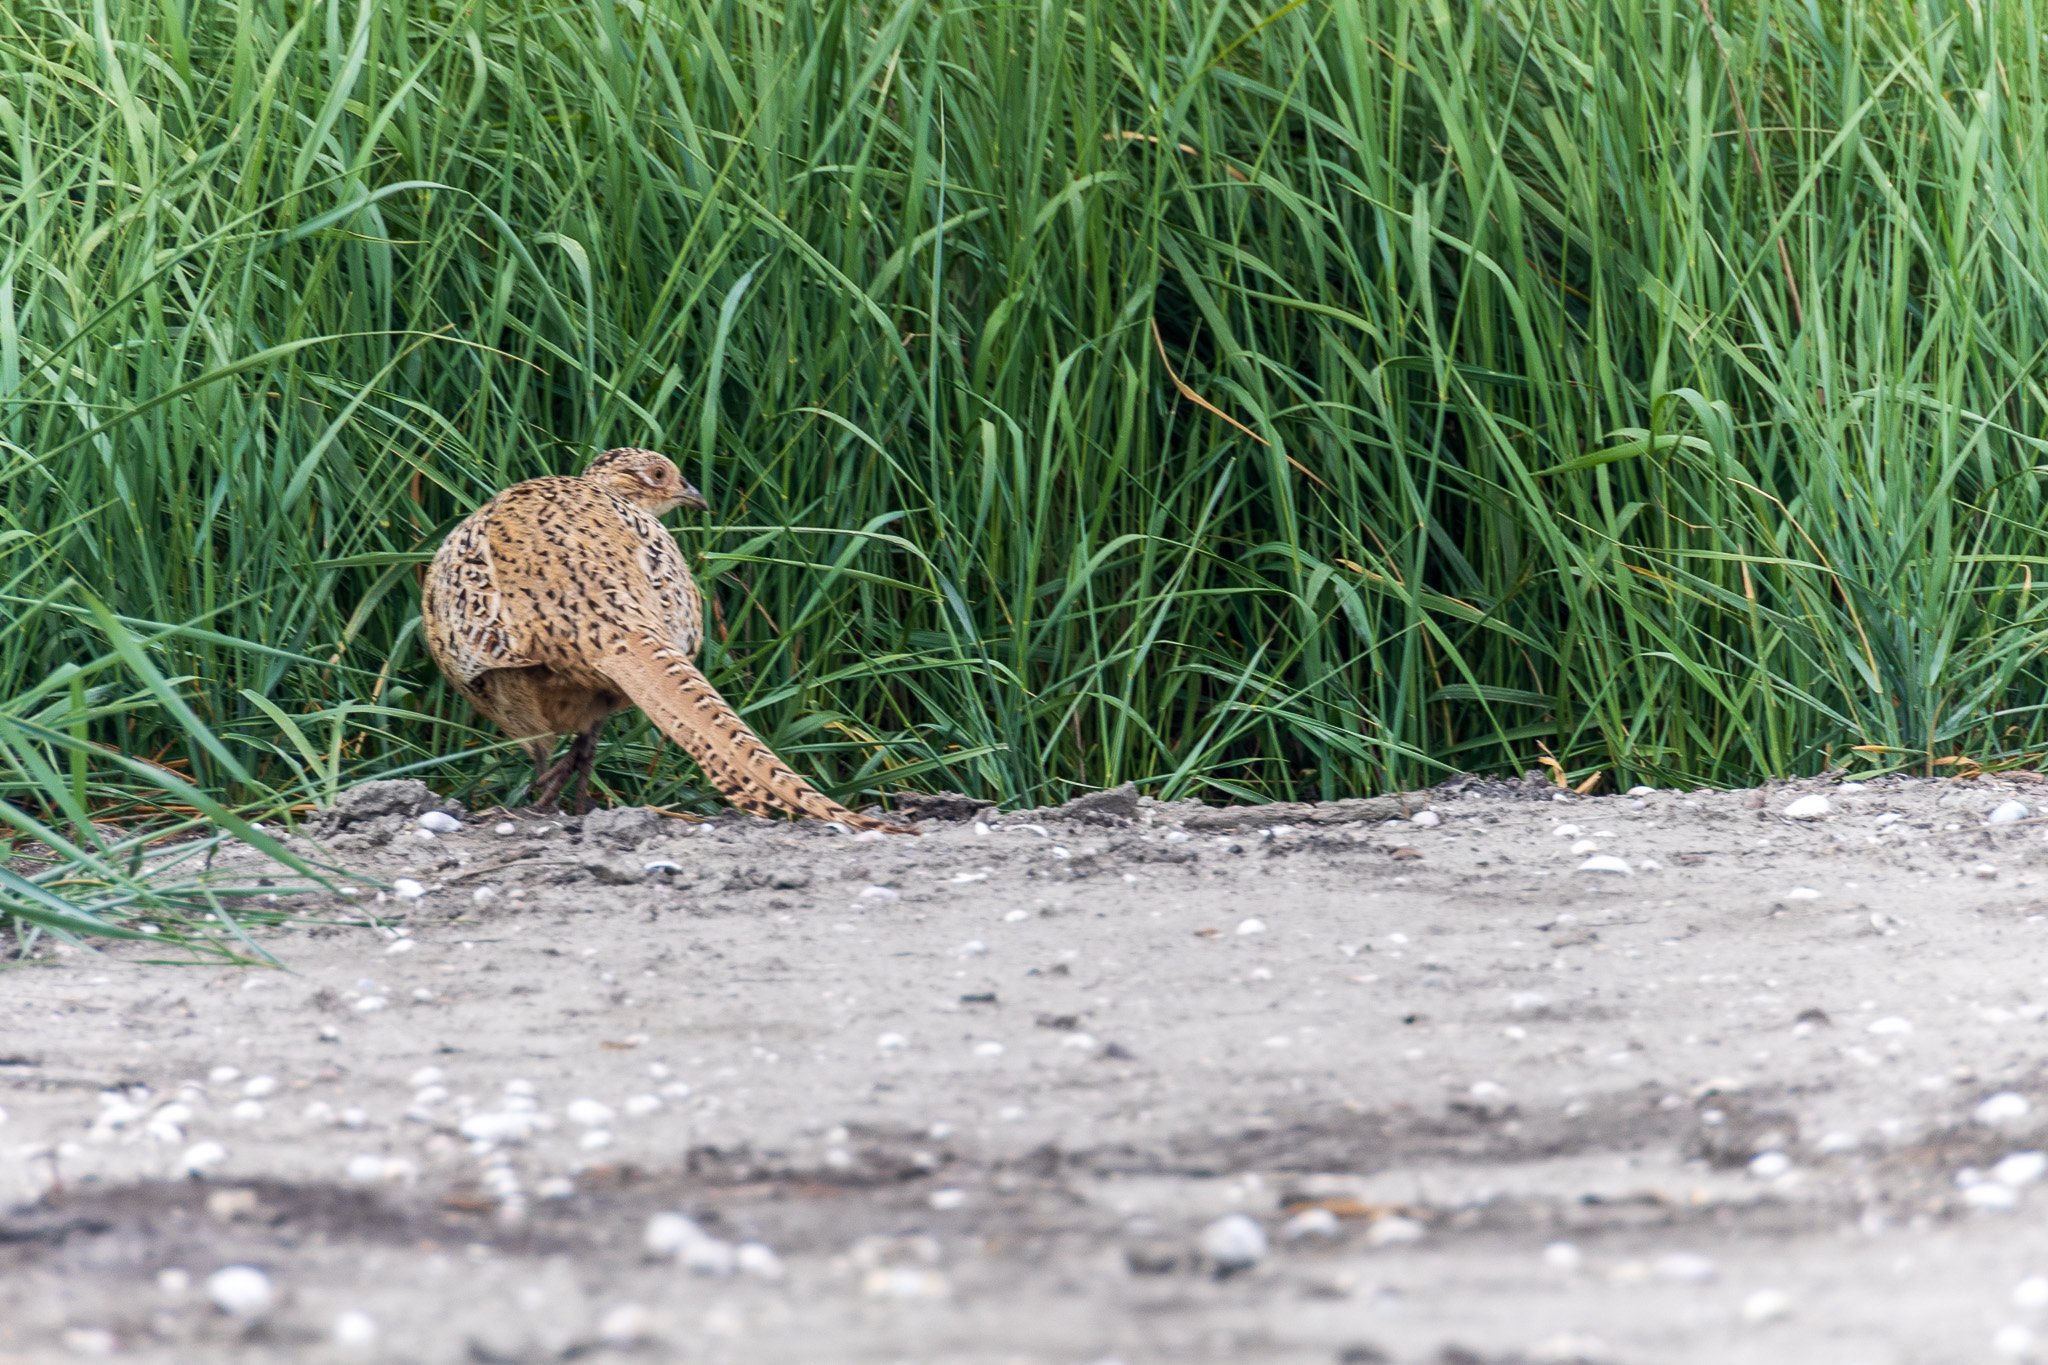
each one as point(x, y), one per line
point(563, 600)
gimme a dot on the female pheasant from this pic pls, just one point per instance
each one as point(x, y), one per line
point(563, 600)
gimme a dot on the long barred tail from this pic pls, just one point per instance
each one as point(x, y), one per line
point(676, 695)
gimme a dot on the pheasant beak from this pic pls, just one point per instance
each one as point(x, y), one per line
point(692, 499)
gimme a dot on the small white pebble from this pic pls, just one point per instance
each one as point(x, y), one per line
point(1769, 1165)
point(1891, 1026)
point(2007, 812)
point(1606, 862)
point(2005, 1107)
point(439, 822)
point(988, 1048)
point(1685, 1267)
point(947, 1199)
point(370, 1004)
point(626, 1326)
point(354, 1330)
point(2014, 1340)
point(1563, 1256)
point(1766, 1305)
point(425, 1076)
point(2020, 1168)
point(1394, 1230)
point(2031, 1293)
point(504, 827)
point(974, 947)
point(758, 1260)
point(224, 1075)
point(640, 1106)
point(708, 1255)
point(1251, 926)
point(884, 894)
point(1802, 893)
point(1990, 1195)
point(891, 1042)
point(401, 945)
point(246, 1111)
point(365, 1169)
point(666, 1234)
point(1233, 1242)
point(259, 1087)
point(201, 1157)
point(240, 1291)
point(1642, 791)
point(172, 1282)
point(1428, 819)
point(1811, 807)
point(1314, 1222)
point(905, 1283)
point(588, 1113)
point(1016, 916)
point(406, 889)
point(1586, 846)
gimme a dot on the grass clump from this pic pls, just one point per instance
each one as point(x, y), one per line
point(1249, 402)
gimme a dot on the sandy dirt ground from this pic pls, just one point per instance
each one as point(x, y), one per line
point(1485, 1075)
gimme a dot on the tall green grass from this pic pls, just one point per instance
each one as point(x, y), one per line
point(1249, 400)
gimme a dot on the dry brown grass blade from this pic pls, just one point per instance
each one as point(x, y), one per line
point(1183, 148)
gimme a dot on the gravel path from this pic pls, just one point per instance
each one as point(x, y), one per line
point(1488, 1075)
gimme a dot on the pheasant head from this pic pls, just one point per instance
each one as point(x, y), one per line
point(648, 480)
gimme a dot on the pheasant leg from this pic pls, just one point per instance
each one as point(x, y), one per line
point(582, 757)
point(545, 794)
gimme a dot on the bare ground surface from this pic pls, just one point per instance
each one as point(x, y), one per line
point(981, 1093)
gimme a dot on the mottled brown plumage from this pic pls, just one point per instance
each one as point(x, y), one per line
point(563, 600)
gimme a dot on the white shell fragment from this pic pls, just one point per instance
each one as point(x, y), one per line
point(2020, 1168)
point(1310, 1222)
point(1394, 1230)
point(406, 889)
point(1765, 1305)
point(1990, 1195)
point(439, 822)
point(758, 1260)
point(1233, 1242)
point(1769, 1165)
point(354, 1330)
point(1811, 807)
point(2007, 813)
point(1607, 862)
point(671, 1236)
point(2005, 1107)
point(589, 1113)
point(240, 1291)
point(201, 1157)
point(626, 1326)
